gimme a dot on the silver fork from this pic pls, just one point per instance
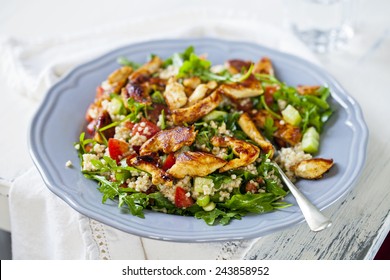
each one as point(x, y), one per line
point(313, 216)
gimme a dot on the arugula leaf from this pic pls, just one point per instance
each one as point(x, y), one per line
point(135, 109)
point(269, 128)
point(160, 202)
point(125, 62)
point(273, 186)
point(157, 97)
point(253, 203)
point(194, 66)
point(244, 174)
point(82, 143)
point(269, 110)
point(177, 59)
point(136, 202)
point(211, 217)
point(219, 179)
point(205, 133)
point(314, 108)
point(231, 121)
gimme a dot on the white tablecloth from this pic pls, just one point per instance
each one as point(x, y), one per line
point(45, 227)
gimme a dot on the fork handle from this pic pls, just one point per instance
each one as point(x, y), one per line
point(313, 216)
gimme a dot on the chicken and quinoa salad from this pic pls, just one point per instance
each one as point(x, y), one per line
point(183, 136)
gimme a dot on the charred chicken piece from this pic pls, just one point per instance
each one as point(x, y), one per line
point(149, 165)
point(198, 94)
point(246, 152)
point(236, 66)
point(247, 88)
point(312, 168)
point(250, 129)
point(119, 77)
point(169, 141)
point(138, 86)
point(103, 120)
point(198, 110)
point(285, 134)
point(174, 94)
point(195, 164)
point(264, 66)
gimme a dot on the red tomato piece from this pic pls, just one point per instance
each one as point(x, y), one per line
point(99, 93)
point(269, 94)
point(117, 149)
point(129, 125)
point(155, 112)
point(91, 127)
point(169, 161)
point(145, 128)
point(181, 200)
point(136, 149)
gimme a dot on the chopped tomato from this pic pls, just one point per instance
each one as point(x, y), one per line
point(145, 128)
point(181, 200)
point(155, 111)
point(91, 111)
point(129, 124)
point(91, 127)
point(269, 94)
point(117, 149)
point(99, 93)
point(169, 161)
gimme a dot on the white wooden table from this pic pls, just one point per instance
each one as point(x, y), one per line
point(361, 220)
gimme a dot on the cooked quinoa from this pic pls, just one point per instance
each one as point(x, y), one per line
point(288, 157)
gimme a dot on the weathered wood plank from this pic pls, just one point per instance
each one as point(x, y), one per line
point(356, 220)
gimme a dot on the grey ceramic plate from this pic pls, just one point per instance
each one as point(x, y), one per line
point(60, 119)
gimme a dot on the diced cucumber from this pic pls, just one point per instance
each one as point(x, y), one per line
point(311, 141)
point(312, 132)
point(209, 207)
point(291, 115)
point(203, 200)
point(199, 182)
point(157, 97)
point(213, 115)
point(116, 106)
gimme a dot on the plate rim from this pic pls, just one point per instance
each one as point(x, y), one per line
point(54, 92)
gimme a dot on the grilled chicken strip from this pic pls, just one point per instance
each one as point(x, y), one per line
point(198, 110)
point(119, 77)
point(264, 66)
point(174, 94)
point(192, 82)
point(246, 152)
point(236, 66)
point(250, 129)
point(169, 140)
point(195, 164)
point(198, 94)
point(138, 85)
point(285, 132)
point(152, 66)
point(247, 88)
point(148, 164)
point(312, 168)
